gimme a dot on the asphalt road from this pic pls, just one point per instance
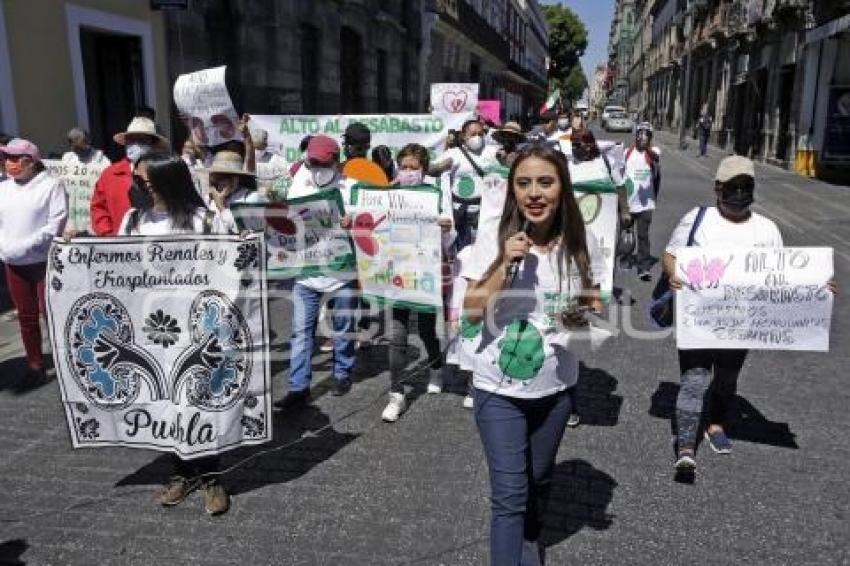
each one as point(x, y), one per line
point(415, 492)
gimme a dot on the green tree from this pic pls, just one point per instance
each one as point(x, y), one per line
point(567, 42)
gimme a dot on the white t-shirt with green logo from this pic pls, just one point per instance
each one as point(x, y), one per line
point(519, 349)
point(464, 181)
point(639, 184)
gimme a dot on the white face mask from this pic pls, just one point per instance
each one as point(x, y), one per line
point(135, 150)
point(563, 123)
point(409, 177)
point(323, 176)
point(475, 143)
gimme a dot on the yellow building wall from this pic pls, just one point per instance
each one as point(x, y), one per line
point(38, 46)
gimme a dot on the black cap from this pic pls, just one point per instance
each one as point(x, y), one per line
point(357, 134)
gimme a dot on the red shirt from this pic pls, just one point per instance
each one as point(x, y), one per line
point(110, 200)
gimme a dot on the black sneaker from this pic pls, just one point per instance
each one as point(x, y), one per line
point(341, 387)
point(645, 276)
point(294, 399)
point(719, 442)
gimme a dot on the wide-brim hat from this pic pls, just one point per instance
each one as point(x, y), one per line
point(511, 131)
point(228, 163)
point(140, 126)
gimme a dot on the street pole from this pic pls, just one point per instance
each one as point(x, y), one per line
point(686, 92)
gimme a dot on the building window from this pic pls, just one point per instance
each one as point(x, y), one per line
point(310, 56)
point(350, 66)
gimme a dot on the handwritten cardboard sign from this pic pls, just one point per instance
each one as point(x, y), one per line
point(303, 235)
point(454, 98)
point(203, 98)
point(399, 245)
point(79, 181)
point(755, 298)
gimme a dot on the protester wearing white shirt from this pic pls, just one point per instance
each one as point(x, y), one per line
point(230, 184)
point(470, 163)
point(82, 153)
point(642, 175)
point(523, 366)
point(164, 202)
point(321, 172)
point(33, 210)
point(714, 373)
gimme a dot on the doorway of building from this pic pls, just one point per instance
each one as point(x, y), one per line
point(115, 84)
point(784, 138)
point(350, 71)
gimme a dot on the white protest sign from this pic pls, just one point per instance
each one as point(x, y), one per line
point(79, 181)
point(203, 98)
point(754, 298)
point(303, 235)
point(596, 196)
point(392, 130)
point(399, 245)
point(162, 344)
point(493, 190)
point(454, 98)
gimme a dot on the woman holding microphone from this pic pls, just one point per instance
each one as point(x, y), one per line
point(525, 302)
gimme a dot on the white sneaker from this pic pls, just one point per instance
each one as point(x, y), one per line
point(435, 383)
point(394, 408)
point(468, 403)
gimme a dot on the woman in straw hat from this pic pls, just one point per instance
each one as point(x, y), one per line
point(110, 200)
point(230, 183)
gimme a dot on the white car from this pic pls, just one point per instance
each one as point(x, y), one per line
point(619, 122)
point(607, 111)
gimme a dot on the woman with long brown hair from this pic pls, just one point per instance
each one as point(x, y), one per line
point(520, 312)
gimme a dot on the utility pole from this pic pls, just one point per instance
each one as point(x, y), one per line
point(686, 92)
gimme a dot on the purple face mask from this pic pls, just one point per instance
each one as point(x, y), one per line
point(409, 177)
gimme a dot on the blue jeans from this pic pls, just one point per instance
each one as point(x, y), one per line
point(703, 142)
point(520, 438)
point(341, 308)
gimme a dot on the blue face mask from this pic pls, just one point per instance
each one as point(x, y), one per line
point(135, 150)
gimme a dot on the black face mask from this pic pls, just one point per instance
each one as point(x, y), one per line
point(737, 201)
point(140, 198)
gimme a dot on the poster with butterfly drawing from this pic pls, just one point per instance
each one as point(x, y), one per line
point(162, 343)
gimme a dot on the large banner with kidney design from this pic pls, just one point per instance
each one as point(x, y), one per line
point(162, 343)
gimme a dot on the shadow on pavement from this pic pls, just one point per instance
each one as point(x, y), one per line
point(595, 399)
point(11, 551)
point(748, 424)
point(579, 498)
point(285, 462)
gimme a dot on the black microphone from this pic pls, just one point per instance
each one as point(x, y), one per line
point(526, 228)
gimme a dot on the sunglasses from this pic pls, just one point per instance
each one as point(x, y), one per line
point(14, 158)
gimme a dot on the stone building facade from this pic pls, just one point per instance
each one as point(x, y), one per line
point(770, 72)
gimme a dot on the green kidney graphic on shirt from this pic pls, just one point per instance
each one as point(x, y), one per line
point(521, 355)
point(465, 187)
point(630, 187)
point(468, 330)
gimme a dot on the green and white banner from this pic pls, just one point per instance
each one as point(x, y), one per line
point(392, 130)
point(303, 235)
point(597, 199)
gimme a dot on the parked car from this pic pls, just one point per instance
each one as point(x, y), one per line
point(619, 122)
point(607, 111)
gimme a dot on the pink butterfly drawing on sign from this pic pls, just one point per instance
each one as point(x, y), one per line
point(705, 273)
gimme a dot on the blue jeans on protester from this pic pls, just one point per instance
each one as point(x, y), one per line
point(703, 141)
point(520, 438)
point(341, 309)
